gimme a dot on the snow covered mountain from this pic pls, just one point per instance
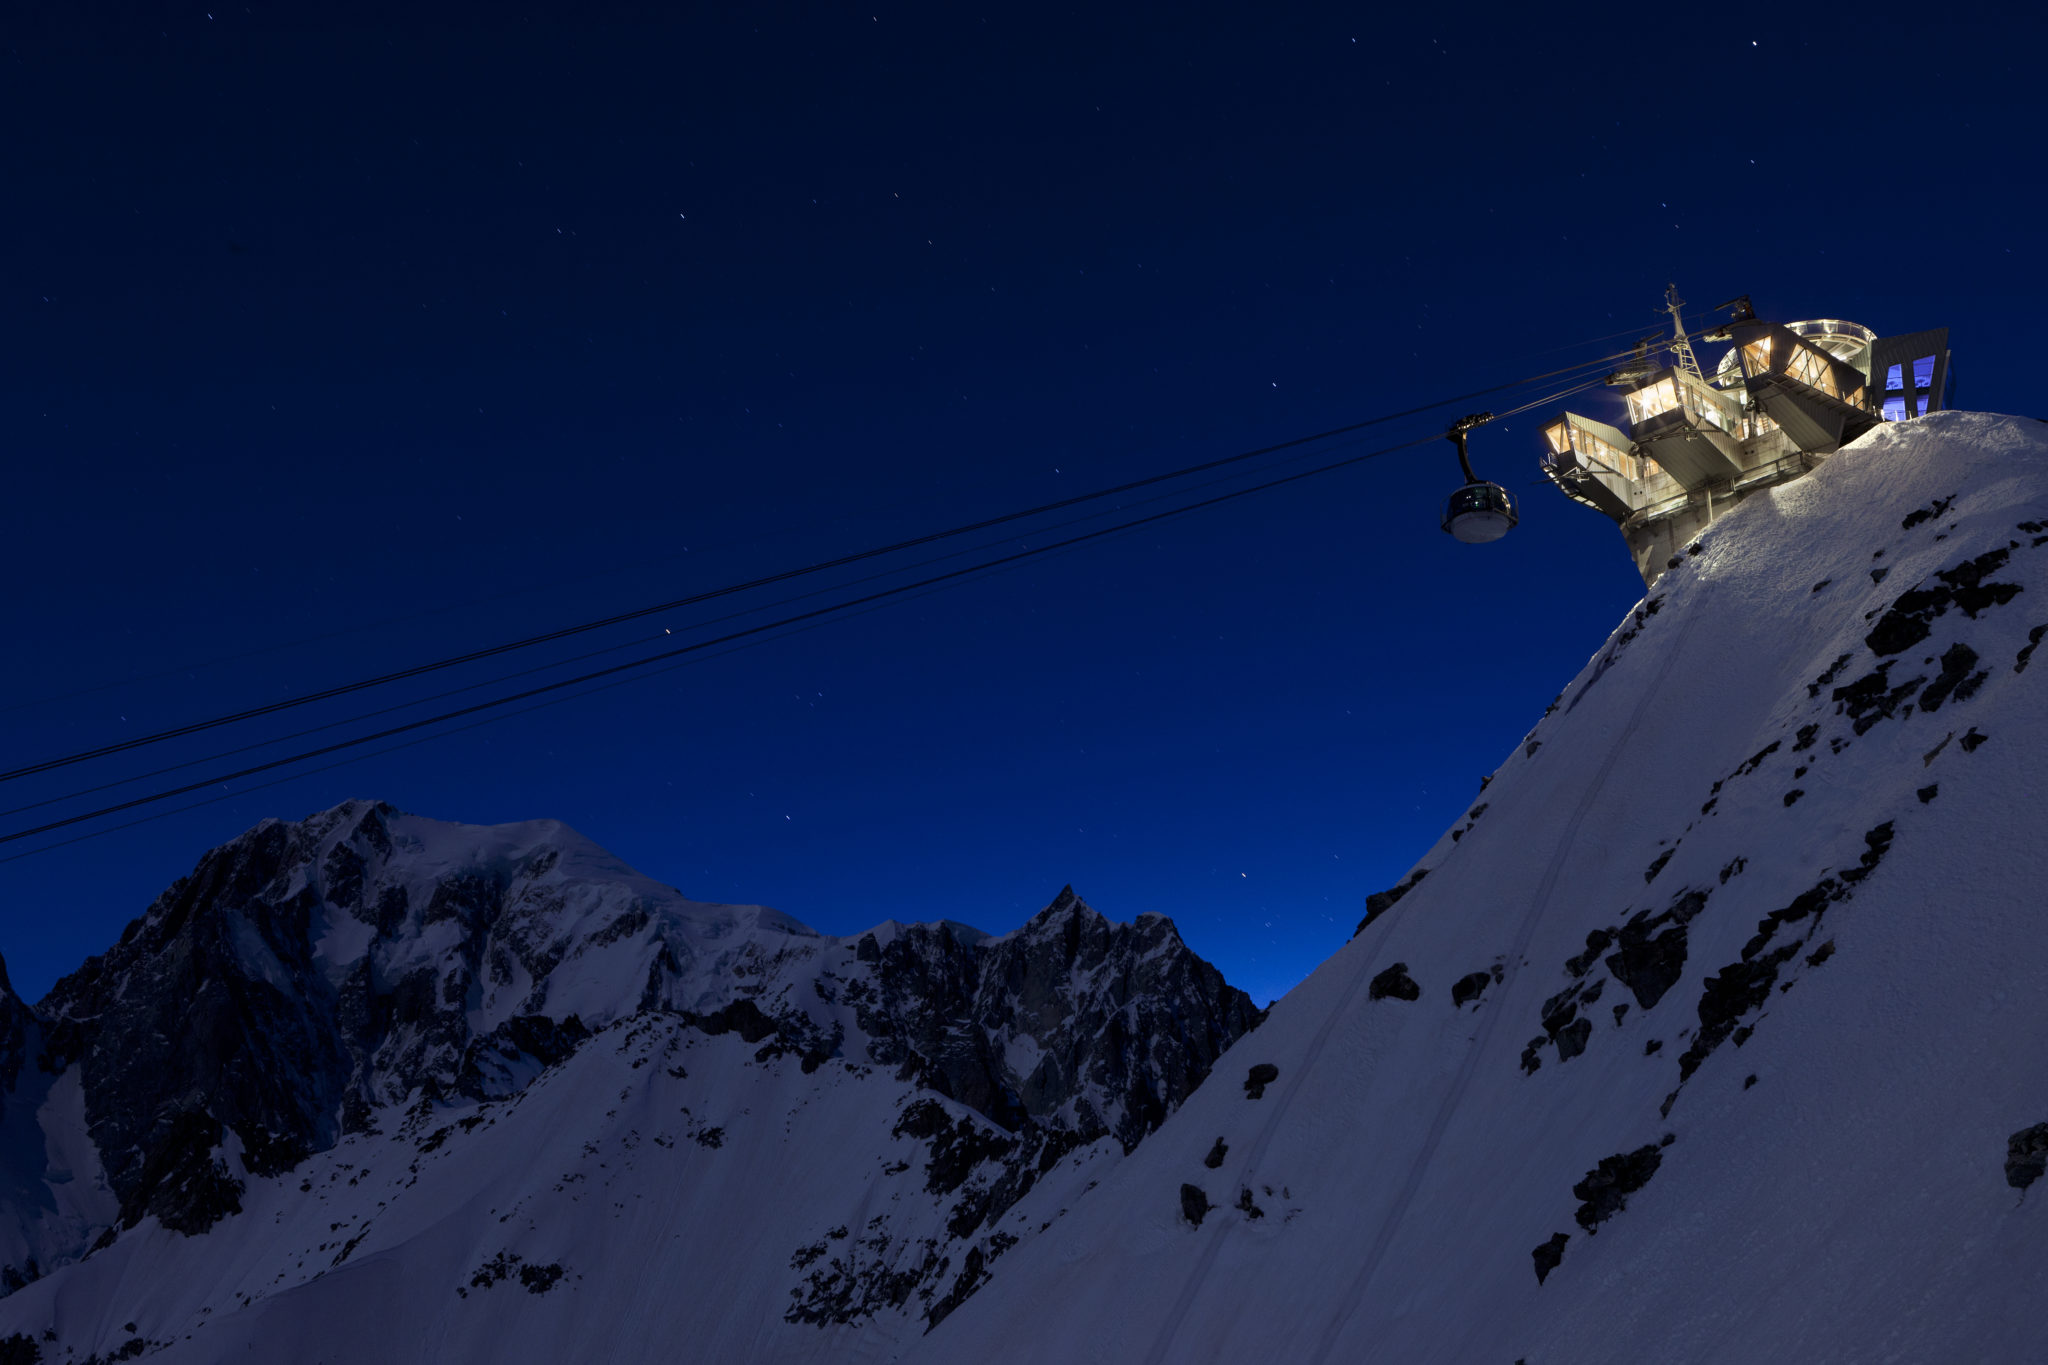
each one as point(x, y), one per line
point(377, 1086)
point(1710, 1033)
point(1713, 1032)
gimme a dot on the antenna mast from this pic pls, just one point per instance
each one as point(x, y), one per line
point(1681, 345)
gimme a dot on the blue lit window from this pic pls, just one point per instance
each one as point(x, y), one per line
point(1923, 372)
point(1895, 408)
point(1895, 378)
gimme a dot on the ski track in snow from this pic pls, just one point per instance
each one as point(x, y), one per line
point(1490, 1018)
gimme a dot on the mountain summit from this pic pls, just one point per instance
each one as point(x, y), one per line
point(373, 1059)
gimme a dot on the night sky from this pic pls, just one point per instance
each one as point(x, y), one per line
point(335, 343)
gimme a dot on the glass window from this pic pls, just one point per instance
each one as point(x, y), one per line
point(1655, 400)
point(1756, 357)
point(1895, 408)
point(1812, 369)
point(1894, 378)
point(1923, 372)
point(1558, 434)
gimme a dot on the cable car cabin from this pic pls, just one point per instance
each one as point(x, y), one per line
point(1691, 429)
point(1479, 512)
point(1817, 398)
point(1594, 464)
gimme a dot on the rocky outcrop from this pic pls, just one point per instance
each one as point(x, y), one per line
point(1090, 1026)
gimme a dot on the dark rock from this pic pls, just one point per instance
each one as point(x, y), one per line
point(1793, 795)
point(1148, 1033)
point(2026, 654)
point(1909, 619)
point(1927, 513)
point(973, 1274)
point(17, 1349)
point(1549, 1254)
point(1729, 994)
point(1469, 987)
point(1749, 1080)
point(1813, 689)
point(1971, 740)
point(2026, 1156)
point(1571, 1039)
point(1596, 944)
point(1395, 982)
point(1194, 1204)
point(1216, 1154)
point(1755, 760)
point(1872, 698)
point(1605, 1189)
point(1650, 956)
point(1379, 902)
point(1653, 1047)
point(1928, 793)
point(1260, 1076)
point(1247, 1207)
point(1956, 678)
point(1657, 864)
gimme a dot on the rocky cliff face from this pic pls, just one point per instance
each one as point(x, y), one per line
point(1072, 1022)
point(351, 974)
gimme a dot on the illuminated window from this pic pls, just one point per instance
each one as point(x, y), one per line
point(1559, 436)
point(1812, 369)
point(1756, 357)
point(1894, 379)
point(1597, 454)
point(1923, 372)
point(1707, 405)
point(1895, 408)
point(1659, 398)
point(1855, 398)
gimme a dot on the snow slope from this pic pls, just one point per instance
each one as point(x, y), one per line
point(1754, 922)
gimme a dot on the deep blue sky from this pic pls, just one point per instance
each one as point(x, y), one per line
point(341, 342)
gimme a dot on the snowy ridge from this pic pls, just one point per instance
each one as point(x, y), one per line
point(342, 1062)
point(1709, 1035)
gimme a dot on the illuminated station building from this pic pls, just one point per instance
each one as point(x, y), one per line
point(1782, 399)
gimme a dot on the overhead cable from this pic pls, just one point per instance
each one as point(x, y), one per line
point(324, 694)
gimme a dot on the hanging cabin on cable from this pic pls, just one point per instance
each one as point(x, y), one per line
point(1480, 511)
point(1781, 400)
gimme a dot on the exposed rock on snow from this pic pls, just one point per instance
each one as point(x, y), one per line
point(1394, 983)
point(2026, 1156)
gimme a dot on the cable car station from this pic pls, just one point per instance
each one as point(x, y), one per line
point(1782, 399)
